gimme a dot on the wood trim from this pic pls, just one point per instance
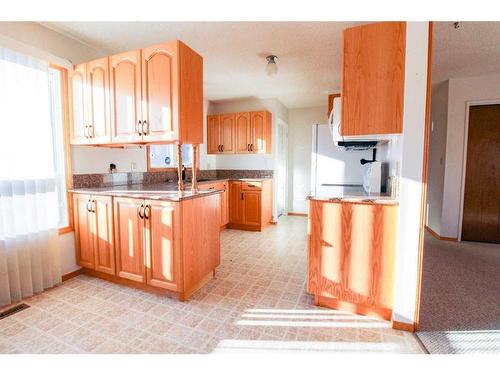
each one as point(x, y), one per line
point(400, 326)
point(330, 102)
point(437, 236)
point(70, 275)
point(68, 174)
point(425, 163)
point(297, 214)
point(65, 230)
point(355, 308)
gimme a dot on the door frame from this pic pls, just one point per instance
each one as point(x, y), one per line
point(281, 123)
point(468, 104)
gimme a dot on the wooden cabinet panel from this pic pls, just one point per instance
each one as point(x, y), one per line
point(125, 82)
point(83, 230)
point(260, 134)
point(98, 101)
point(129, 239)
point(213, 134)
point(159, 87)
point(251, 207)
point(351, 255)
point(235, 206)
point(225, 203)
point(78, 104)
point(227, 133)
point(162, 239)
point(103, 234)
point(243, 139)
point(373, 79)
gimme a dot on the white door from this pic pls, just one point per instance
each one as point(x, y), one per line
point(282, 168)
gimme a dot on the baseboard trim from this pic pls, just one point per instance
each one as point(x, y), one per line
point(297, 214)
point(401, 326)
point(70, 275)
point(437, 236)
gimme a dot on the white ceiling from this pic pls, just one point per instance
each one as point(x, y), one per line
point(472, 49)
point(309, 53)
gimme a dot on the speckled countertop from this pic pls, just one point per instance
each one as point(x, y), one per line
point(167, 191)
point(350, 194)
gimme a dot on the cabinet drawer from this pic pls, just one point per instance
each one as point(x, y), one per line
point(254, 185)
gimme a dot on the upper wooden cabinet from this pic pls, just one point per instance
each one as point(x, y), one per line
point(240, 133)
point(126, 93)
point(373, 79)
point(150, 95)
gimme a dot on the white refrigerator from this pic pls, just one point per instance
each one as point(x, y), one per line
point(333, 170)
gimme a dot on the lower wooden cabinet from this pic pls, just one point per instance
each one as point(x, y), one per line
point(93, 218)
point(224, 201)
point(250, 204)
point(147, 233)
point(351, 256)
point(161, 245)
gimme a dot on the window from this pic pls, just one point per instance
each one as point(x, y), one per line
point(32, 161)
point(165, 156)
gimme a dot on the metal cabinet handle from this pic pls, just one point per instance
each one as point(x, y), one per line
point(241, 196)
point(88, 205)
point(139, 127)
point(141, 215)
point(147, 209)
point(251, 147)
point(92, 206)
point(91, 134)
point(222, 148)
point(85, 131)
point(144, 126)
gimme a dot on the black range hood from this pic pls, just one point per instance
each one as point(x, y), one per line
point(357, 145)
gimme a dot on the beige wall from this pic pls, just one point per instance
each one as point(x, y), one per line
point(437, 155)
point(300, 123)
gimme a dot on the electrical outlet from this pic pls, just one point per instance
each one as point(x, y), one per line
point(133, 166)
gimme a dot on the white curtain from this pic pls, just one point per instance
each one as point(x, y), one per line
point(29, 253)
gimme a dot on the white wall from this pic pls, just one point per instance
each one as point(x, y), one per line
point(437, 156)
point(410, 209)
point(88, 159)
point(461, 91)
point(40, 42)
point(300, 123)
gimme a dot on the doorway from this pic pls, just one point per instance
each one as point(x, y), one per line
point(481, 203)
point(282, 169)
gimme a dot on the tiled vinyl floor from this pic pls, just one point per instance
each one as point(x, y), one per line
point(257, 303)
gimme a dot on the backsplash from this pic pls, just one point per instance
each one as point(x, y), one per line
point(114, 179)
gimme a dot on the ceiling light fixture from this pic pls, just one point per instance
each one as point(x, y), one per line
point(271, 67)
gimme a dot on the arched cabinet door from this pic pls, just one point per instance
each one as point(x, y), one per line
point(78, 104)
point(125, 84)
point(98, 101)
point(160, 88)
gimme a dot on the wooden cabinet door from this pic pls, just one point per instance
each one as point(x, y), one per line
point(373, 79)
point(224, 203)
point(125, 83)
point(102, 212)
point(129, 239)
point(213, 134)
point(78, 104)
point(235, 202)
point(98, 101)
point(251, 207)
point(83, 230)
point(159, 92)
point(243, 139)
point(258, 132)
point(228, 133)
point(162, 239)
